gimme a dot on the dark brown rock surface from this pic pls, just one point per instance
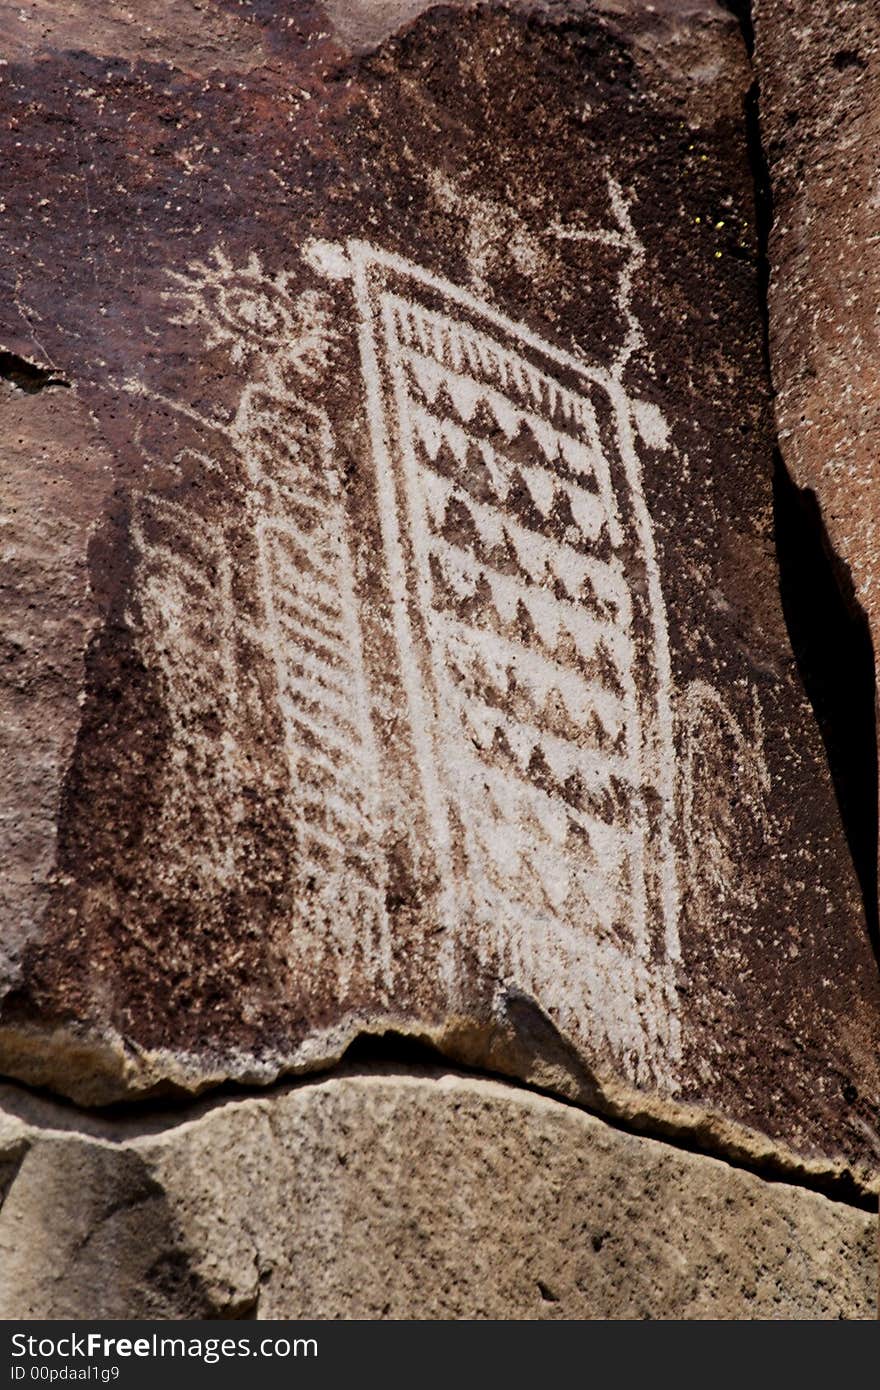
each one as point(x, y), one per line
point(431, 674)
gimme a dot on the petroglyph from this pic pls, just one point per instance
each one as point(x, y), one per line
point(301, 627)
point(527, 620)
point(519, 551)
point(724, 790)
point(188, 615)
point(528, 632)
point(495, 232)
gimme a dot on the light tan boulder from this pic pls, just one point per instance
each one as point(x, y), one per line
point(407, 1196)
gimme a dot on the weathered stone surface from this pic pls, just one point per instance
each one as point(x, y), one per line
point(55, 479)
point(820, 117)
point(819, 67)
point(435, 677)
point(406, 1196)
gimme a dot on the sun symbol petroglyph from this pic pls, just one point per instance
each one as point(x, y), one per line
point(250, 313)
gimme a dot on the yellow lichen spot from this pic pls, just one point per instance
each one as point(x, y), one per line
point(718, 226)
point(718, 255)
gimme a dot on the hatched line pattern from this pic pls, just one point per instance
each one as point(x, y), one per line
point(305, 623)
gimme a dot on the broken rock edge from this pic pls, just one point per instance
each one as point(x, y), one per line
point(94, 1073)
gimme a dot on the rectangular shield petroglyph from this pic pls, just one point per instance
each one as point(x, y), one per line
point(519, 555)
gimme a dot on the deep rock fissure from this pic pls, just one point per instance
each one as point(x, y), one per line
point(28, 376)
point(393, 1054)
point(742, 10)
point(832, 644)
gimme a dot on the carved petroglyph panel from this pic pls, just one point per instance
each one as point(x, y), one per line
point(529, 642)
point(518, 580)
point(530, 631)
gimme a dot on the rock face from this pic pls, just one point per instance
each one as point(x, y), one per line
point(401, 629)
point(404, 1196)
point(820, 116)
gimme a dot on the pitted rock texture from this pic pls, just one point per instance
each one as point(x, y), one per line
point(820, 118)
point(408, 1196)
point(431, 674)
point(819, 69)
